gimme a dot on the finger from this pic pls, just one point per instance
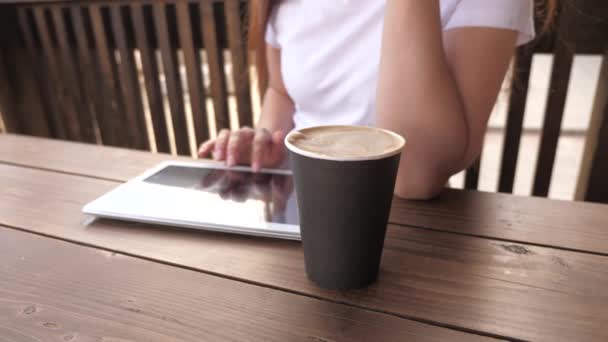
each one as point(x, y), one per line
point(221, 141)
point(278, 137)
point(261, 142)
point(206, 148)
point(277, 151)
point(237, 140)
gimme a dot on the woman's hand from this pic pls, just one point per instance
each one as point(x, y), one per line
point(257, 147)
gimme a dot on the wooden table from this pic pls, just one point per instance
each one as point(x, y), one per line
point(468, 266)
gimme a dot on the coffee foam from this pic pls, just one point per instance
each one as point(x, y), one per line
point(344, 142)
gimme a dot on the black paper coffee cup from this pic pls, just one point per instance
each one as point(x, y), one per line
point(344, 204)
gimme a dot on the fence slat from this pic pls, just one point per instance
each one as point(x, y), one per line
point(240, 70)
point(67, 121)
point(26, 98)
point(471, 178)
point(83, 125)
point(215, 60)
point(150, 69)
point(515, 117)
point(9, 114)
point(35, 122)
point(110, 117)
point(89, 73)
point(44, 71)
point(593, 176)
point(129, 85)
point(558, 89)
point(174, 89)
point(196, 89)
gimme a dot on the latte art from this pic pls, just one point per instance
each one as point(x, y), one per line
point(346, 142)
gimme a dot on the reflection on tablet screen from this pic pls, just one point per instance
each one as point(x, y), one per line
point(275, 191)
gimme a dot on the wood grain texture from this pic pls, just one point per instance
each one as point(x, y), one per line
point(192, 61)
point(240, 66)
point(493, 287)
point(53, 289)
point(21, 149)
point(172, 79)
point(151, 78)
point(564, 224)
point(129, 85)
point(515, 118)
point(215, 60)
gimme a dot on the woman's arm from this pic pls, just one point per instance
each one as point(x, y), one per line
point(262, 146)
point(277, 106)
point(437, 90)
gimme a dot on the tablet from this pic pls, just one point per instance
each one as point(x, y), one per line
point(209, 196)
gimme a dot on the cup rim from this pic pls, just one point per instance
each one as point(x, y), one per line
point(309, 154)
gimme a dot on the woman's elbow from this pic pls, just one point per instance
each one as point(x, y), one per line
point(422, 187)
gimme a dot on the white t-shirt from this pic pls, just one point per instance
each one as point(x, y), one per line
point(330, 50)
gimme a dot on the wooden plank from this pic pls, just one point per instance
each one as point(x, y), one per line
point(20, 96)
point(8, 41)
point(51, 119)
point(26, 101)
point(110, 118)
point(471, 179)
point(82, 127)
point(192, 61)
point(129, 85)
point(215, 60)
point(172, 79)
point(151, 81)
point(13, 148)
point(240, 68)
point(501, 289)
point(67, 120)
point(563, 224)
point(515, 118)
point(593, 181)
point(89, 72)
point(558, 90)
point(61, 284)
point(7, 100)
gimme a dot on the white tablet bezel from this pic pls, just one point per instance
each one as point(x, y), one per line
point(267, 229)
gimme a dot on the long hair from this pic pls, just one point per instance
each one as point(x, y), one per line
point(259, 11)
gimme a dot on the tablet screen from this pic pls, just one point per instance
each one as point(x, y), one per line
point(244, 189)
